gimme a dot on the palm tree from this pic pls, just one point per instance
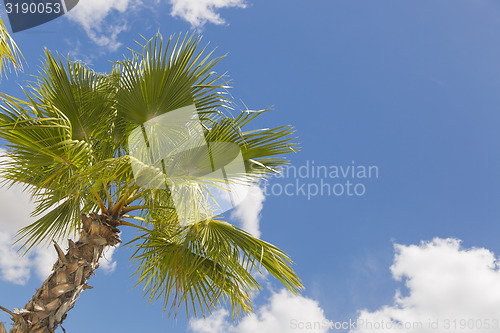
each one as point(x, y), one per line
point(67, 145)
point(9, 52)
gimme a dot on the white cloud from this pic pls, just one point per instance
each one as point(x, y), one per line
point(91, 15)
point(281, 314)
point(444, 282)
point(15, 208)
point(449, 289)
point(94, 15)
point(216, 322)
point(248, 211)
point(200, 12)
point(13, 268)
point(106, 263)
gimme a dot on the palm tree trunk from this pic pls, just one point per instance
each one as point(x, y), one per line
point(49, 306)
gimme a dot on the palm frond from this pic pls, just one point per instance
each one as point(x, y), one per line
point(262, 149)
point(206, 264)
point(84, 97)
point(165, 76)
point(9, 52)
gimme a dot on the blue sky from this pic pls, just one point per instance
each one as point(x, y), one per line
point(410, 87)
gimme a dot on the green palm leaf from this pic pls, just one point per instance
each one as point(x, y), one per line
point(9, 52)
point(206, 263)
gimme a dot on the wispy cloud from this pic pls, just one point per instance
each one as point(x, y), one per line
point(280, 314)
point(103, 28)
point(446, 285)
point(13, 268)
point(200, 12)
point(248, 211)
point(106, 263)
point(92, 14)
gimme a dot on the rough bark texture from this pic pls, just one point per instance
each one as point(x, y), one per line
point(58, 294)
